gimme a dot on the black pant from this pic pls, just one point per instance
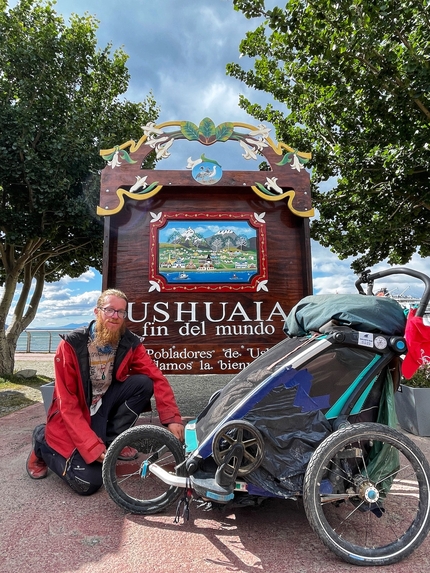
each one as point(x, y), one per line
point(121, 406)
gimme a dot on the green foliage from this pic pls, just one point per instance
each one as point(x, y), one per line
point(59, 104)
point(355, 77)
point(421, 378)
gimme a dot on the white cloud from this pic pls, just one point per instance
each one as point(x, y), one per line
point(331, 275)
point(62, 307)
point(63, 302)
point(71, 302)
point(53, 291)
point(336, 284)
point(84, 278)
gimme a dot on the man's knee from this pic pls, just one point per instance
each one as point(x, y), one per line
point(140, 384)
point(83, 478)
point(81, 486)
point(140, 389)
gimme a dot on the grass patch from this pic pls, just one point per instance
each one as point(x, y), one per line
point(17, 392)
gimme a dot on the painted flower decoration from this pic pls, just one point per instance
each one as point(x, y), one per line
point(296, 161)
point(296, 164)
point(261, 131)
point(193, 162)
point(260, 217)
point(262, 285)
point(162, 151)
point(250, 152)
point(140, 183)
point(113, 159)
point(155, 141)
point(150, 129)
point(154, 286)
point(258, 143)
point(114, 162)
point(271, 184)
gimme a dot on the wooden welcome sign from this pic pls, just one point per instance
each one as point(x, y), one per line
point(211, 260)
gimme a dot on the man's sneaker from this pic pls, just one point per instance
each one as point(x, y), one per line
point(36, 467)
point(128, 454)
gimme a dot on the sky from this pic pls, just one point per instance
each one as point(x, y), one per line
point(178, 49)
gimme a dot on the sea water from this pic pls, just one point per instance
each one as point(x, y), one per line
point(39, 340)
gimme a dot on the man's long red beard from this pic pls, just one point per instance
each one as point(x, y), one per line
point(104, 336)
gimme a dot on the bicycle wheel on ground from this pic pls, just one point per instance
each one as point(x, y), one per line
point(131, 484)
point(366, 494)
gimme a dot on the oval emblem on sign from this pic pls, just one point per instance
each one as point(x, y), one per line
point(207, 172)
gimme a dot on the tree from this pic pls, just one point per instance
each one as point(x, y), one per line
point(59, 104)
point(355, 77)
point(241, 242)
point(217, 245)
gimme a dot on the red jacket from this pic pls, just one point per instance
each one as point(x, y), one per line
point(69, 422)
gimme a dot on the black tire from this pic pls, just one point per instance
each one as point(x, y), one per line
point(368, 512)
point(123, 479)
point(239, 432)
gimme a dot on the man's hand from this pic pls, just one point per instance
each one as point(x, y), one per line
point(101, 457)
point(177, 430)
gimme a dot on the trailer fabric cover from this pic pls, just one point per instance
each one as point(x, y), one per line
point(364, 313)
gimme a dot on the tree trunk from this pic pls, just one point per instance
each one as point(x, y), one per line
point(21, 318)
point(7, 354)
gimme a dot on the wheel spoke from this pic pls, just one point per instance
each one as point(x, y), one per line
point(229, 439)
point(379, 508)
point(125, 477)
point(129, 483)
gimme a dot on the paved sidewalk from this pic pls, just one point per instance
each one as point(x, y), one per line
point(45, 528)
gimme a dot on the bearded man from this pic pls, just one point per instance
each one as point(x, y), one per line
point(104, 379)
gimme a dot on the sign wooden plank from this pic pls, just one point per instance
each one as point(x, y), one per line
point(211, 269)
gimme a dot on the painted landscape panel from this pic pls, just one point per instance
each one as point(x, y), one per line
point(198, 250)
